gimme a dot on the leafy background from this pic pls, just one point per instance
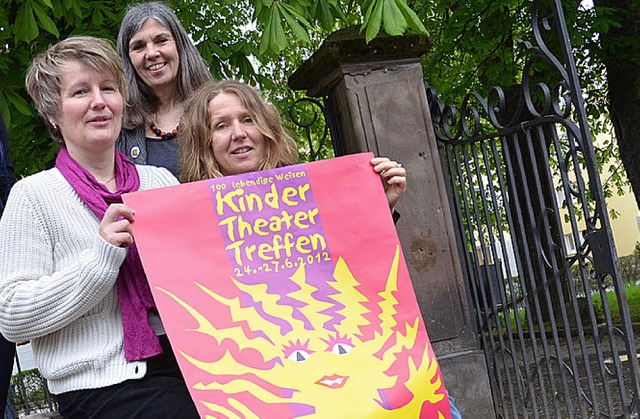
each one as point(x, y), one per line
point(476, 46)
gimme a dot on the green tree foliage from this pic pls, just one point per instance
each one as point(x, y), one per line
point(28, 27)
point(619, 53)
point(630, 266)
point(260, 41)
point(476, 46)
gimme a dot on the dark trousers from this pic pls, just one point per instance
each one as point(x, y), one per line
point(7, 354)
point(161, 393)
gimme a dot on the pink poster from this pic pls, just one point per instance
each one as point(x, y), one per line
point(285, 294)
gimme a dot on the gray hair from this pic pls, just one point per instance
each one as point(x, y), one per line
point(192, 70)
point(44, 76)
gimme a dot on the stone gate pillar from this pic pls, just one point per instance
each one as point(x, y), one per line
point(375, 95)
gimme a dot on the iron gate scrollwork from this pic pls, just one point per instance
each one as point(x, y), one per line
point(310, 116)
point(536, 243)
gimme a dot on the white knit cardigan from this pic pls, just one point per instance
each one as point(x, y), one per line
point(57, 283)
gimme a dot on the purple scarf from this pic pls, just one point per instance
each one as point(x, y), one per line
point(140, 341)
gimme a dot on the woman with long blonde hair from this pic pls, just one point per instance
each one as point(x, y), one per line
point(228, 129)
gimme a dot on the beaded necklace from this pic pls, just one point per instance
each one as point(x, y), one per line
point(162, 134)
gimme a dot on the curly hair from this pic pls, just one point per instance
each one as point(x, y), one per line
point(197, 161)
point(192, 71)
point(44, 76)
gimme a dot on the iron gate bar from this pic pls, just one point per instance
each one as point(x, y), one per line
point(555, 269)
point(520, 268)
point(314, 152)
point(576, 313)
point(593, 176)
point(511, 349)
point(555, 361)
point(517, 319)
point(539, 315)
point(550, 262)
point(505, 303)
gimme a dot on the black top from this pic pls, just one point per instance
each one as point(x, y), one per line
point(7, 174)
point(163, 153)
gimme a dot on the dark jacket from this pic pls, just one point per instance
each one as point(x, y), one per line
point(133, 144)
point(7, 179)
point(7, 174)
point(146, 151)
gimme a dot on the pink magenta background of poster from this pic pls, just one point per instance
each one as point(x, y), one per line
point(180, 243)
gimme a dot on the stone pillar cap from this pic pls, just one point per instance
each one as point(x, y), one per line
point(348, 46)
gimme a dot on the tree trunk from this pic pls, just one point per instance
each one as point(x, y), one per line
point(621, 60)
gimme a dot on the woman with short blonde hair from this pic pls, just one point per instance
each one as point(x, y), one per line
point(44, 75)
point(71, 280)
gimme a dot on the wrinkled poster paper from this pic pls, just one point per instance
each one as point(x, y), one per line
point(285, 294)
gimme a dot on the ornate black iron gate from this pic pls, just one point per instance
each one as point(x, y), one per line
point(536, 243)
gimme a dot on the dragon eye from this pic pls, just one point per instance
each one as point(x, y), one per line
point(341, 348)
point(299, 355)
